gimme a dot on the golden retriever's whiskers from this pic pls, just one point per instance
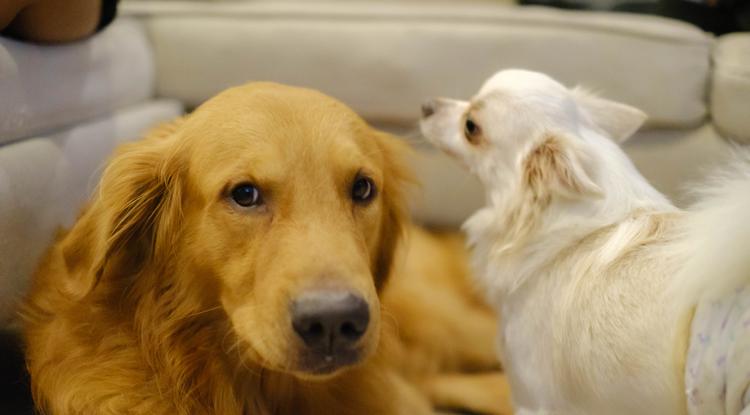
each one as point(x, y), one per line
point(201, 312)
point(242, 359)
point(413, 135)
point(227, 334)
point(391, 317)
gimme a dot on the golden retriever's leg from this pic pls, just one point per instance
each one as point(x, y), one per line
point(486, 393)
point(434, 285)
point(409, 400)
point(477, 349)
point(440, 331)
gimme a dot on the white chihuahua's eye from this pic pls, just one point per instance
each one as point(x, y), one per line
point(471, 130)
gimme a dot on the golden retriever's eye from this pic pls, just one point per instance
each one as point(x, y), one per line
point(471, 130)
point(246, 195)
point(363, 189)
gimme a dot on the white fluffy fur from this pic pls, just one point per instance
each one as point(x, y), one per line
point(590, 266)
point(718, 234)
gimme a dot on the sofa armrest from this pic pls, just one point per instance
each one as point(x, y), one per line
point(47, 88)
point(730, 93)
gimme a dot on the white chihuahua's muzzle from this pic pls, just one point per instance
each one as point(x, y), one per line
point(441, 125)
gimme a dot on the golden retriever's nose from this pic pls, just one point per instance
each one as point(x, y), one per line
point(330, 321)
point(428, 108)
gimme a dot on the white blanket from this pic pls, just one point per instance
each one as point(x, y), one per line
point(717, 372)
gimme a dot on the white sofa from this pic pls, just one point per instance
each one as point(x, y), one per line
point(70, 105)
point(63, 109)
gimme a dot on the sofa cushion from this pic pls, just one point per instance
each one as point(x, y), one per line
point(730, 95)
point(47, 87)
point(384, 58)
point(44, 182)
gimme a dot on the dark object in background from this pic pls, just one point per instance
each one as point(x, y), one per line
point(716, 16)
point(724, 16)
point(15, 394)
point(108, 13)
point(55, 21)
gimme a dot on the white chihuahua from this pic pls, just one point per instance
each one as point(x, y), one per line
point(614, 301)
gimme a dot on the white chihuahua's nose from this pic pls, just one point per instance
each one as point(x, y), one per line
point(428, 108)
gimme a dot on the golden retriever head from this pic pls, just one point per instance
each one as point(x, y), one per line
point(277, 205)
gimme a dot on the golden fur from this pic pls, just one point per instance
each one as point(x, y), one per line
point(164, 298)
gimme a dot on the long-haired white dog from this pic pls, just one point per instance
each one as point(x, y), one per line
point(614, 301)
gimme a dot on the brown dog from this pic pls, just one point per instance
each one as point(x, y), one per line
point(233, 262)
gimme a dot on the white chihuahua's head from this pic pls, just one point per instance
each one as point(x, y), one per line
point(524, 130)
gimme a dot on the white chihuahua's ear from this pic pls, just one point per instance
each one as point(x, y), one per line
point(619, 121)
point(557, 167)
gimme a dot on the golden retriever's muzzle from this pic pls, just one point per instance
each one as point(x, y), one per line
point(330, 324)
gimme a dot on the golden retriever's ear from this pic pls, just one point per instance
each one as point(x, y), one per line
point(132, 216)
point(397, 177)
point(556, 166)
point(619, 121)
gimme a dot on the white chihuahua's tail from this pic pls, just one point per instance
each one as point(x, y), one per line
point(718, 236)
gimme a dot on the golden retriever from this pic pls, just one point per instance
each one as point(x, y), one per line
point(235, 262)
